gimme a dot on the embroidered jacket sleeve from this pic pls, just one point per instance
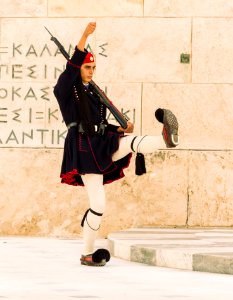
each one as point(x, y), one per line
point(64, 87)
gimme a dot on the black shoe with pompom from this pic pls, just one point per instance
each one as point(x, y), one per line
point(170, 126)
point(97, 259)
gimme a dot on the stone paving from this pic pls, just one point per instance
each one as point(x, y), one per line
point(49, 269)
point(207, 250)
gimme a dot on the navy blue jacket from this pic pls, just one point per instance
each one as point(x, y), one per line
point(85, 153)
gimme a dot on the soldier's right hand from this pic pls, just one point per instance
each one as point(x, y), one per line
point(90, 29)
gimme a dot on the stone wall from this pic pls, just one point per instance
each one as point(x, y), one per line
point(138, 46)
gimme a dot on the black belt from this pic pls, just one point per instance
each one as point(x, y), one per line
point(98, 129)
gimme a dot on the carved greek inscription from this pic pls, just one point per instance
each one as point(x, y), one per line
point(29, 113)
point(43, 136)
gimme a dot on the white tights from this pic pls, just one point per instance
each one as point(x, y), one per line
point(95, 189)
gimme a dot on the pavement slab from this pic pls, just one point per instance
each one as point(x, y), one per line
point(49, 269)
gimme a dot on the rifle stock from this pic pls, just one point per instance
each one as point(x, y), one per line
point(121, 119)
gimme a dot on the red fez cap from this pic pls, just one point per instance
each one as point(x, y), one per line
point(89, 58)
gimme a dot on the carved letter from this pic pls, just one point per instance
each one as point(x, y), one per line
point(15, 92)
point(47, 49)
point(45, 90)
point(32, 71)
point(17, 114)
point(12, 137)
point(103, 49)
point(15, 49)
point(27, 135)
point(60, 135)
point(30, 94)
point(52, 114)
point(15, 71)
point(3, 115)
point(31, 50)
point(3, 93)
point(59, 72)
point(42, 134)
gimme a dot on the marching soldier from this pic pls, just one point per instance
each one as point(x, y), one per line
point(96, 152)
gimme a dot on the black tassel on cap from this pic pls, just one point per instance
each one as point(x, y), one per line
point(140, 167)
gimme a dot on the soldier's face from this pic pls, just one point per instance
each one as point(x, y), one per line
point(87, 71)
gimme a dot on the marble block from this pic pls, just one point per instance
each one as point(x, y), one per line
point(188, 8)
point(213, 262)
point(122, 250)
point(143, 255)
point(203, 112)
point(174, 258)
point(93, 8)
point(212, 57)
point(144, 50)
point(23, 8)
point(210, 189)
point(33, 201)
point(158, 198)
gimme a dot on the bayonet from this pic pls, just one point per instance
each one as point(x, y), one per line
point(59, 45)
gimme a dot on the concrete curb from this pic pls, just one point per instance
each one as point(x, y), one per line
point(205, 250)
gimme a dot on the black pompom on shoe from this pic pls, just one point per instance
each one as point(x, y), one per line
point(170, 126)
point(101, 254)
point(159, 113)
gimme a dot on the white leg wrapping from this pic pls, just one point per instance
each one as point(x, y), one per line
point(142, 144)
point(95, 190)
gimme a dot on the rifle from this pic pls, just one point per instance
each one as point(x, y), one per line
point(122, 120)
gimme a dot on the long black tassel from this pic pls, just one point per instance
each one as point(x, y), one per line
point(140, 166)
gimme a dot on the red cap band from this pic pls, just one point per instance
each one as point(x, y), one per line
point(89, 58)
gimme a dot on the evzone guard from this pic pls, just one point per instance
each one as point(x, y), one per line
point(96, 152)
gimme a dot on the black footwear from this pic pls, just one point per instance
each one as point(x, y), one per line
point(170, 127)
point(96, 259)
point(87, 260)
